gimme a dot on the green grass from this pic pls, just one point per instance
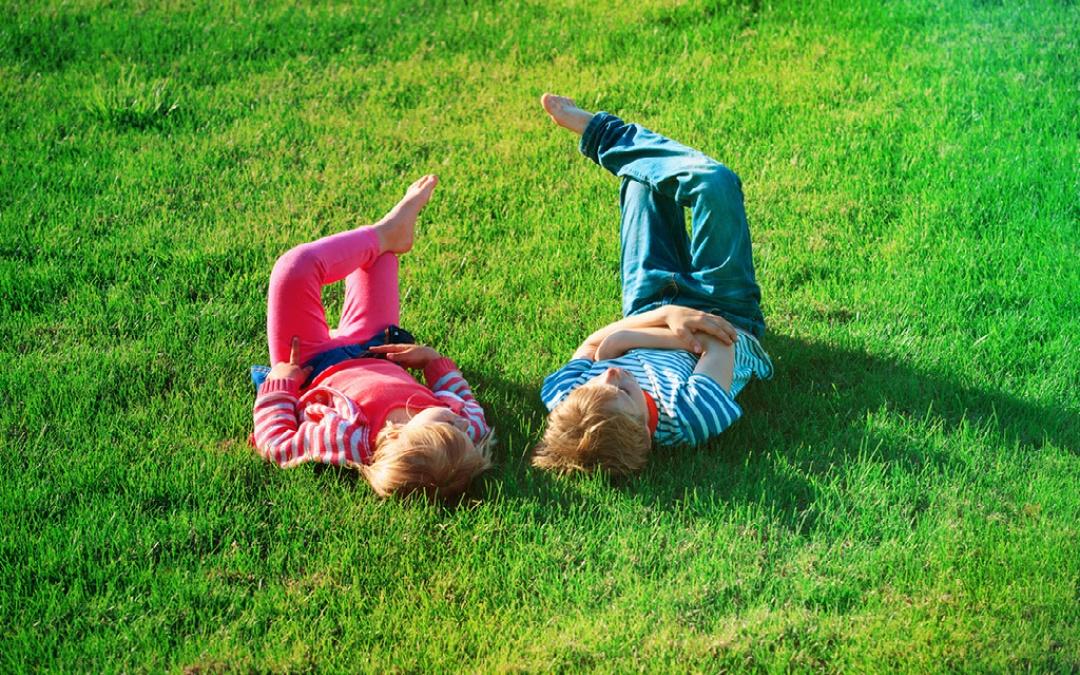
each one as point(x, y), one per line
point(902, 495)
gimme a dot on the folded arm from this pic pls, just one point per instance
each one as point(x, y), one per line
point(444, 380)
point(703, 403)
point(443, 377)
point(622, 341)
point(324, 436)
point(682, 322)
point(717, 361)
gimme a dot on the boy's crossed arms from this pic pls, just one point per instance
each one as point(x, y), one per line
point(669, 327)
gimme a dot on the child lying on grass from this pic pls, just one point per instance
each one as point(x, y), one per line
point(669, 370)
point(353, 403)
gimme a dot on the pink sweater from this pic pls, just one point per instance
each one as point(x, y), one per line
point(338, 417)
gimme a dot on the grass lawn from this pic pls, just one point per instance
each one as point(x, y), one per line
point(904, 494)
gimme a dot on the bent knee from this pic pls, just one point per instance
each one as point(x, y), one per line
point(721, 187)
point(299, 261)
point(721, 180)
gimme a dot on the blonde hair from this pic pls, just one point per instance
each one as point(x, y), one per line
point(584, 434)
point(438, 459)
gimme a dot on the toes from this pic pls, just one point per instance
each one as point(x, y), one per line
point(424, 182)
point(555, 104)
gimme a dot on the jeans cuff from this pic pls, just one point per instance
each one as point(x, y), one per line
point(589, 145)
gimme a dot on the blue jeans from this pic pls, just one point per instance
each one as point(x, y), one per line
point(712, 269)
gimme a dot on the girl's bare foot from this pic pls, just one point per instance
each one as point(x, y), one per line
point(396, 228)
point(566, 113)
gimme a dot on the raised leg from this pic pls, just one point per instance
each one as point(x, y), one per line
point(722, 263)
point(367, 256)
point(371, 300)
point(294, 301)
point(654, 245)
point(720, 276)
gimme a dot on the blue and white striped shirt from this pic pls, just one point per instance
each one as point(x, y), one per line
point(692, 408)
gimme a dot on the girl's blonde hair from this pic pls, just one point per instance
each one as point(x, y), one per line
point(438, 459)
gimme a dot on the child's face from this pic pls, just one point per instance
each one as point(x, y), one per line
point(438, 415)
point(631, 399)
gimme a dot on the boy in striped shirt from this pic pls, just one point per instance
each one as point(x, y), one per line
point(669, 371)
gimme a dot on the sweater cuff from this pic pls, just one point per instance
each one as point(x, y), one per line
point(437, 368)
point(280, 386)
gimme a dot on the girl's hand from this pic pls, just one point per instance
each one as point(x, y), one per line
point(410, 356)
point(290, 370)
point(684, 322)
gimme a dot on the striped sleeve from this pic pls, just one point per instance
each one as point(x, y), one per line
point(443, 377)
point(323, 435)
point(563, 381)
point(704, 409)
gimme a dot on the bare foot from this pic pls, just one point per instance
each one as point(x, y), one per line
point(396, 228)
point(566, 113)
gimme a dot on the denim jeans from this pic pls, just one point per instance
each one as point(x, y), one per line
point(712, 268)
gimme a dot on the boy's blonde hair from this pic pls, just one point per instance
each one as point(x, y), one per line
point(584, 434)
point(437, 459)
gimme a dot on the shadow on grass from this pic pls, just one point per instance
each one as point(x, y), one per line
point(817, 413)
point(823, 408)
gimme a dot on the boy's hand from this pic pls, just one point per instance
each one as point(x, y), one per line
point(410, 356)
point(684, 322)
point(587, 350)
point(290, 370)
point(717, 362)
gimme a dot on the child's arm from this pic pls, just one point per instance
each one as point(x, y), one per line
point(622, 341)
point(703, 404)
point(683, 322)
point(442, 376)
point(326, 436)
point(717, 361)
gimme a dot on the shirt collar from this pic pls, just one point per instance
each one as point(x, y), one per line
point(654, 415)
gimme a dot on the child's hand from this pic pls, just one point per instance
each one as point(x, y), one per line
point(290, 370)
point(410, 356)
point(684, 322)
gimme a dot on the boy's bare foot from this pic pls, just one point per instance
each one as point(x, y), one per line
point(396, 228)
point(566, 113)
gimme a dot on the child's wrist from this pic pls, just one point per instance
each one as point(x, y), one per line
point(436, 368)
point(280, 385)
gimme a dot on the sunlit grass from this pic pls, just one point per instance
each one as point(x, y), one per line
point(901, 496)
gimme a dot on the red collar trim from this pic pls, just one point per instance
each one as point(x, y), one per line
point(654, 415)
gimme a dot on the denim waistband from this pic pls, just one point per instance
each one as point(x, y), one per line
point(331, 357)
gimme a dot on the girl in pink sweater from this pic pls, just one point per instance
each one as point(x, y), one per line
point(342, 396)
